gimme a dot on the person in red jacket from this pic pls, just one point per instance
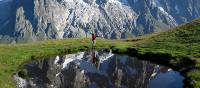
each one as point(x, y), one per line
point(94, 36)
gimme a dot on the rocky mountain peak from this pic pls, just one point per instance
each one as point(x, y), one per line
point(31, 20)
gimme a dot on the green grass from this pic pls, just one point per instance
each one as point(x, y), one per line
point(182, 44)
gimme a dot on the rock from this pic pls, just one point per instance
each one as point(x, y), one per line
point(32, 20)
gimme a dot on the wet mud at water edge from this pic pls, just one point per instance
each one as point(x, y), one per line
point(97, 69)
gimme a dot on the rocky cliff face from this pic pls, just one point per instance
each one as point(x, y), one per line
point(30, 20)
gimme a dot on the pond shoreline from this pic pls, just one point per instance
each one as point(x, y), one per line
point(183, 66)
point(100, 53)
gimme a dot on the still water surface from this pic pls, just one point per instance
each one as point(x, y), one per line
point(98, 70)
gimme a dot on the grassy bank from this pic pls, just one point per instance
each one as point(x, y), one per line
point(178, 48)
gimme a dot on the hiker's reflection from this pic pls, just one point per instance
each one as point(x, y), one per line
point(95, 59)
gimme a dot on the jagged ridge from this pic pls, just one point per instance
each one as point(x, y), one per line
point(31, 20)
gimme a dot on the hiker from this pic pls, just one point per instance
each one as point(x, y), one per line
point(94, 36)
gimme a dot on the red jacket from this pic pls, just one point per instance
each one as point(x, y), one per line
point(94, 36)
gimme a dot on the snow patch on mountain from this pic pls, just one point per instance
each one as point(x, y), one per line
point(168, 15)
point(119, 2)
point(68, 0)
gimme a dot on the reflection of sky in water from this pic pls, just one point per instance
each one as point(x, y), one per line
point(169, 79)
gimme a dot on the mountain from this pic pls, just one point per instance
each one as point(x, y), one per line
point(31, 20)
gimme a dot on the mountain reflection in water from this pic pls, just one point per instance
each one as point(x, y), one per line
point(106, 70)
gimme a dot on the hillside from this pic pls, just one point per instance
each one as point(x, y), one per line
point(181, 42)
point(179, 47)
